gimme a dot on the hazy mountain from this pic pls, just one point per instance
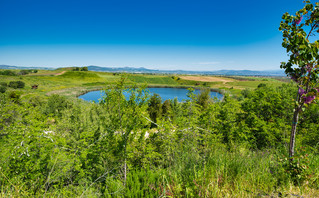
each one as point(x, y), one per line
point(148, 71)
point(219, 72)
point(22, 67)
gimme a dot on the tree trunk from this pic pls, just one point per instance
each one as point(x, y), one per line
point(293, 133)
point(125, 172)
point(125, 164)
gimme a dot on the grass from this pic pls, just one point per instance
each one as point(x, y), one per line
point(152, 79)
point(237, 173)
point(253, 84)
point(80, 75)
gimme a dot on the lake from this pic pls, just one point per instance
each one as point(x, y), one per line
point(164, 92)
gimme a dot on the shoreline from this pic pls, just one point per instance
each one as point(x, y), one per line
point(220, 91)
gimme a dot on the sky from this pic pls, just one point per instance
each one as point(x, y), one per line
point(201, 35)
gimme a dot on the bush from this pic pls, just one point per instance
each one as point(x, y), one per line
point(56, 104)
point(16, 84)
point(3, 89)
point(14, 96)
point(21, 84)
point(262, 85)
point(84, 69)
point(203, 98)
point(155, 108)
point(35, 100)
point(13, 84)
point(24, 72)
point(296, 170)
point(8, 73)
point(4, 84)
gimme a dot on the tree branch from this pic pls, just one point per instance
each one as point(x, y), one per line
point(312, 28)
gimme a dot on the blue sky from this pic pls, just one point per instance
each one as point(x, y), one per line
point(166, 34)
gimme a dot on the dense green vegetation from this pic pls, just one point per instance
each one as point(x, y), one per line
point(53, 144)
point(61, 146)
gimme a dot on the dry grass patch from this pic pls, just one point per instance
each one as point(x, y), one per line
point(58, 74)
point(207, 79)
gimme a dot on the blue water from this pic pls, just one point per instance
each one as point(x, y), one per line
point(165, 93)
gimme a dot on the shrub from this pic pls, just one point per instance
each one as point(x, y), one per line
point(84, 69)
point(155, 108)
point(56, 104)
point(24, 72)
point(20, 84)
point(203, 98)
point(3, 89)
point(245, 92)
point(14, 96)
point(8, 73)
point(262, 85)
point(296, 170)
point(13, 84)
point(4, 84)
point(16, 84)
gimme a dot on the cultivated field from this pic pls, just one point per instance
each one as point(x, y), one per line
point(207, 79)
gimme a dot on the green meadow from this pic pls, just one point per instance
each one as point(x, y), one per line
point(64, 79)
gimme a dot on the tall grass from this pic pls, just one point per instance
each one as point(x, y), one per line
point(154, 79)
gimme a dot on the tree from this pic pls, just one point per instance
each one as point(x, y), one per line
point(166, 109)
point(302, 66)
point(203, 98)
point(126, 117)
point(84, 69)
point(155, 108)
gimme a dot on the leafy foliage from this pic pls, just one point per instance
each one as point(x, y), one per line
point(16, 84)
point(155, 108)
point(8, 73)
point(3, 89)
point(56, 145)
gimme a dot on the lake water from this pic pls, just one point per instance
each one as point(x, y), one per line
point(165, 93)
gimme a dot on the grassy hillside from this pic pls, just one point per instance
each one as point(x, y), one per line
point(152, 79)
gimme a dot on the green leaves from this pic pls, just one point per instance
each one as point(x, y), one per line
point(302, 52)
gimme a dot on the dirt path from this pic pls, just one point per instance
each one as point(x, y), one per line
point(207, 79)
point(58, 74)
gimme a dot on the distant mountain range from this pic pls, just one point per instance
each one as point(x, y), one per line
point(149, 71)
point(23, 67)
point(219, 72)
